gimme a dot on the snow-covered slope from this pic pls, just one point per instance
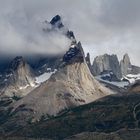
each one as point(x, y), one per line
point(126, 82)
point(119, 84)
point(132, 78)
point(44, 77)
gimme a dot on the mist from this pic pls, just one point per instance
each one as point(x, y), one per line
point(21, 35)
point(102, 26)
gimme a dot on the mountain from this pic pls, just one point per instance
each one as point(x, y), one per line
point(107, 68)
point(53, 62)
point(125, 65)
point(57, 22)
point(58, 97)
point(40, 63)
point(130, 72)
point(18, 80)
point(56, 25)
point(72, 85)
point(107, 64)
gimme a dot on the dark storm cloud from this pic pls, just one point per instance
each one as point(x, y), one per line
point(103, 26)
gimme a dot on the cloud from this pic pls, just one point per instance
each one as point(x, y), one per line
point(102, 26)
point(21, 35)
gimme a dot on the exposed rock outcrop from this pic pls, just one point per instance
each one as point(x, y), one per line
point(19, 79)
point(125, 65)
point(89, 62)
point(106, 63)
point(54, 62)
point(72, 85)
point(111, 69)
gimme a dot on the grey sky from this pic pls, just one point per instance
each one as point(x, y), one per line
point(103, 26)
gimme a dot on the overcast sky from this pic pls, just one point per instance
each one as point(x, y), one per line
point(103, 26)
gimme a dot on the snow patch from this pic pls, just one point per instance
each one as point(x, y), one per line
point(5, 80)
point(121, 84)
point(44, 77)
point(24, 87)
point(72, 46)
point(132, 78)
point(136, 76)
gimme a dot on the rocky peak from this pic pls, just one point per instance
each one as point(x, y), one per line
point(19, 79)
point(106, 63)
point(71, 36)
point(88, 59)
point(57, 25)
point(17, 63)
point(126, 59)
point(57, 21)
point(125, 65)
point(74, 54)
point(70, 86)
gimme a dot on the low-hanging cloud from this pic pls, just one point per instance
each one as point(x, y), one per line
point(22, 36)
point(103, 26)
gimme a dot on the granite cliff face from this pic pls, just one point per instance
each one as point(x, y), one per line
point(87, 58)
point(106, 63)
point(127, 67)
point(109, 66)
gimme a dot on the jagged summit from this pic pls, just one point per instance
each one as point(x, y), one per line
point(72, 85)
point(87, 58)
point(104, 63)
point(126, 56)
point(57, 21)
point(74, 54)
point(69, 86)
point(107, 67)
point(71, 36)
point(17, 62)
point(126, 60)
point(19, 79)
point(125, 65)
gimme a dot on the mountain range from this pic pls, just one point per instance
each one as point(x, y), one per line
point(70, 84)
point(109, 63)
point(66, 97)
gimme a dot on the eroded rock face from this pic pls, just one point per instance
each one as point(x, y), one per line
point(57, 22)
point(72, 85)
point(19, 79)
point(125, 65)
point(55, 25)
point(87, 58)
point(106, 63)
